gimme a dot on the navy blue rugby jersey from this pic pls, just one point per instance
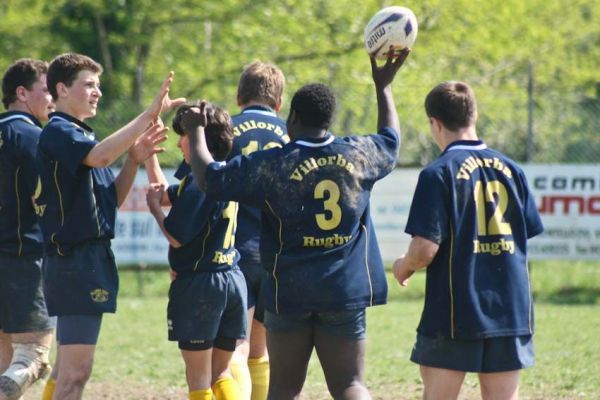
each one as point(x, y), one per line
point(20, 232)
point(475, 203)
point(255, 128)
point(205, 228)
point(317, 238)
point(80, 202)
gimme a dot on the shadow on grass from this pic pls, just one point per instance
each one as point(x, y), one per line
point(570, 295)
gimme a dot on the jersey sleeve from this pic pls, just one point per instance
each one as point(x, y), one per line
point(428, 216)
point(68, 145)
point(243, 179)
point(533, 220)
point(188, 206)
point(172, 192)
point(381, 150)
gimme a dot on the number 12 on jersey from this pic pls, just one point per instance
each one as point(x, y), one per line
point(491, 192)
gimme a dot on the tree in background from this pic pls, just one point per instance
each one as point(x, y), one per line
point(486, 43)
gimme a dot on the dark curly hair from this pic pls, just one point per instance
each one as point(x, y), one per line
point(314, 104)
point(218, 131)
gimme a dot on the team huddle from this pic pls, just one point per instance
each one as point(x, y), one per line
point(272, 250)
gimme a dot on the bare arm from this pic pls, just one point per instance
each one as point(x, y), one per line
point(156, 175)
point(144, 147)
point(383, 77)
point(111, 148)
point(420, 253)
point(193, 122)
point(153, 198)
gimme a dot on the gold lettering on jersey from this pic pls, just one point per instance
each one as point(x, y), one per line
point(39, 209)
point(99, 295)
point(311, 164)
point(494, 248)
point(327, 242)
point(472, 163)
point(252, 124)
point(222, 258)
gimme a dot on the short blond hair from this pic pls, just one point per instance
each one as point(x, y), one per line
point(261, 82)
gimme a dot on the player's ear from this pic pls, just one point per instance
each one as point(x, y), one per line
point(21, 93)
point(293, 117)
point(61, 89)
point(239, 100)
point(278, 105)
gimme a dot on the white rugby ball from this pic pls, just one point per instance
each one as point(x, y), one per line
point(396, 26)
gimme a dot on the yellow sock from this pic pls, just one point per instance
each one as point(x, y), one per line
point(203, 394)
point(226, 389)
point(49, 389)
point(259, 371)
point(241, 374)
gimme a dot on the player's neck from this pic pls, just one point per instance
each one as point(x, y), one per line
point(468, 133)
point(18, 106)
point(255, 104)
point(312, 133)
point(65, 109)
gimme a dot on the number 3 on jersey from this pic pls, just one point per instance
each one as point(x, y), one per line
point(493, 192)
point(330, 192)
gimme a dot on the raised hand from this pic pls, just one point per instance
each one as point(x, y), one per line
point(162, 102)
point(147, 144)
point(384, 75)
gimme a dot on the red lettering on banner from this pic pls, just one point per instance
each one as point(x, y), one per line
point(594, 205)
point(580, 205)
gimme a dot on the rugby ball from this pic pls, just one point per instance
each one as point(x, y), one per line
point(395, 26)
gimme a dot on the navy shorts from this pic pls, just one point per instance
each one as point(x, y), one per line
point(84, 282)
point(22, 305)
point(207, 306)
point(499, 354)
point(255, 276)
point(351, 324)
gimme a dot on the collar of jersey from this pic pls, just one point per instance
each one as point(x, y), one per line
point(23, 116)
point(465, 145)
point(264, 110)
point(315, 142)
point(87, 130)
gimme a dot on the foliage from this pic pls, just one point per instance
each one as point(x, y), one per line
point(489, 44)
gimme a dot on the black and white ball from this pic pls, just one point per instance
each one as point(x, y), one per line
point(395, 26)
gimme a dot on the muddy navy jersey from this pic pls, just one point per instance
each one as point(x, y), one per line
point(205, 228)
point(255, 128)
point(80, 201)
point(317, 238)
point(19, 229)
point(475, 203)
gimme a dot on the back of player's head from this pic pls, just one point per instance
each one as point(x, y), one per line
point(23, 72)
point(218, 130)
point(65, 67)
point(453, 103)
point(262, 83)
point(314, 105)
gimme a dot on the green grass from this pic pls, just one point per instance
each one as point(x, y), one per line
point(134, 348)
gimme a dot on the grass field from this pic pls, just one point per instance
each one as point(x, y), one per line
point(135, 361)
